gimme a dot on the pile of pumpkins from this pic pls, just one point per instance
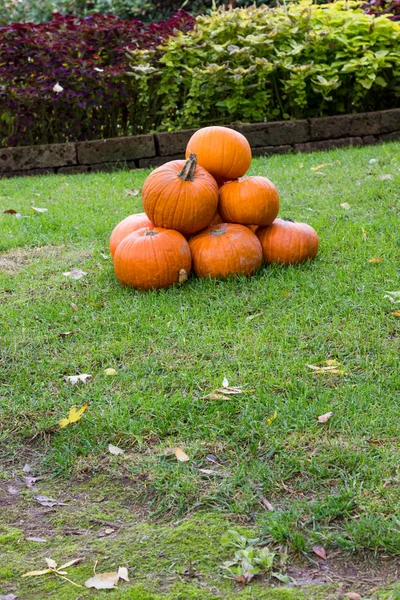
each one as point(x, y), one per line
point(204, 215)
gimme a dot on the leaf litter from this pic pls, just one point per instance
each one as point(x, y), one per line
point(107, 581)
point(181, 455)
point(75, 274)
point(327, 366)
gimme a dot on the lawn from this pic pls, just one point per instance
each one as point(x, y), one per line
point(332, 484)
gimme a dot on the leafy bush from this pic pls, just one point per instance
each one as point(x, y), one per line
point(265, 63)
point(86, 57)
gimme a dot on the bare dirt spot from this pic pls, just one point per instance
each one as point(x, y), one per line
point(15, 260)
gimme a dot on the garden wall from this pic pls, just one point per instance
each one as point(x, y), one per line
point(152, 150)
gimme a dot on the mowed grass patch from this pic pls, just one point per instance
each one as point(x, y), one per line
point(334, 483)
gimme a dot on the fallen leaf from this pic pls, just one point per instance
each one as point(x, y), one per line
point(51, 563)
point(181, 455)
point(34, 539)
point(266, 503)
point(36, 573)
point(74, 306)
point(208, 471)
point(375, 442)
point(318, 167)
point(396, 313)
point(115, 450)
point(110, 371)
point(245, 578)
point(12, 490)
point(19, 216)
point(386, 176)
point(251, 317)
point(39, 210)
point(65, 333)
point(50, 502)
point(75, 274)
point(301, 165)
point(102, 581)
point(393, 296)
point(123, 573)
point(183, 276)
point(345, 205)
point(105, 256)
point(134, 192)
point(225, 382)
point(30, 481)
point(74, 415)
point(353, 596)
point(319, 551)
point(364, 233)
point(215, 397)
point(229, 390)
point(109, 530)
point(27, 468)
point(325, 417)
point(327, 366)
point(71, 562)
point(10, 211)
point(281, 577)
point(372, 161)
point(74, 379)
point(272, 419)
point(212, 458)
point(8, 597)
point(375, 260)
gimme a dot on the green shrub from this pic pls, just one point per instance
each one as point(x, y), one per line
point(257, 64)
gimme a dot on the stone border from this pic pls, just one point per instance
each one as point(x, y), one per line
point(142, 151)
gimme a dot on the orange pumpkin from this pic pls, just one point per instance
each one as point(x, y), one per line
point(225, 249)
point(127, 226)
point(249, 201)
point(180, 195)
point(152, 258)
point(225, 153)
point(285, 242)
point(215, 220)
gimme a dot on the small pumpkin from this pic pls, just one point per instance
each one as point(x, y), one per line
point(180, 195)
point(224, 152)
point(152, 258)
point(127, 226)
point(249, 201)
point(225, 249)
point(285, 242)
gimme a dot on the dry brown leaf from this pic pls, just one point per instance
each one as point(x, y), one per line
point(74, 379)
point(110, 371)
point(66, 333)
point(103, 581)
point(319, 551)
point(352, 596)
point(266, 503)
point(345, 205)
point(215, 397)
point(375, 442)
point(115, 450)
point(12, 490)
point(396, 313)
point(183, 276)
point(181, 455)
point(229, 390)
point(375, 260)
point(75, 274)
point(50, 502)
point(10, 211)
point(74, 306)
point(27, 468)
point(325, 417)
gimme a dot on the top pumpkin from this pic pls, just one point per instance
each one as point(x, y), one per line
point(223, 152)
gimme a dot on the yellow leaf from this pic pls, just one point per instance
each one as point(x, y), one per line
point(35, 573)
point(181, 455)
point(70, 563)
point(318, 167)
point(74, 415)
point(364, 233)
point(102, 581)
point(375, 260)
point(51, 563)
point(110, 371)
point(272, 419)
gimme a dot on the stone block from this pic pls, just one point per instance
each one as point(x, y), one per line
point(174, 142)
point(390, 120)
point(394, 136)
point(277, 133)
point(73, 169)
point(326, 128)
point(365, 124)
point(37, 157)
point(109, 167)
point(116, 149)
point(370, 140)
point(328, 144)
point(27, 173)
point(266, 150)
point(144, 163)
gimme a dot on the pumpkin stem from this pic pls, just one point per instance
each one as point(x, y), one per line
point(188, 169)
point(150, 233)
point(290, 220)
point(217, 232)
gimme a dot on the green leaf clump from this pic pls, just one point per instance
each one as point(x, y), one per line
point(265, 64)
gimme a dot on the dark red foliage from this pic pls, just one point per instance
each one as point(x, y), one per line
point(390, 8)
point(86, 57)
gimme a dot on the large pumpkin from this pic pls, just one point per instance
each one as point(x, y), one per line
point(180, 195)
point(127, 226)
point(225, 153)
point(225, 249)
point(152, 258)
point(285, 242)
point(249, 201)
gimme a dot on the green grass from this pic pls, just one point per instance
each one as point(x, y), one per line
point(330, 483)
